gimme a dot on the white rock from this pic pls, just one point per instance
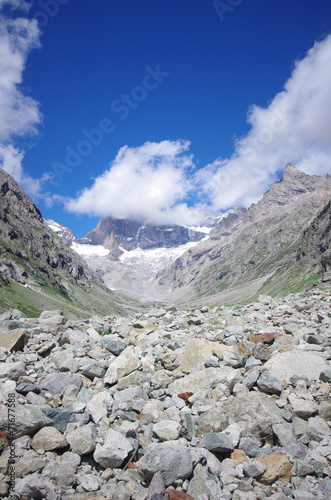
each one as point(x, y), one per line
point(124, 364)
point(284, 365)
point(97, 406)
point(167, 430)
point(115, 450)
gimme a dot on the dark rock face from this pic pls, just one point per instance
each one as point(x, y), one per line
point(24, 237)
point(316, 245)
point(226, 223)
point(130, 234)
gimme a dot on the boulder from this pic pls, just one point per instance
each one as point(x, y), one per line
point(124, 364)
point(82, 438)
point(171, 460)
point(35, 486)
point(48, 439)
point(114, 451)
point(56, 383)
point(200, 380)
point(284, 365)
point(14, 340)
point(12, 371)
point(28, 420)
point(195, 352)
point(278, 468)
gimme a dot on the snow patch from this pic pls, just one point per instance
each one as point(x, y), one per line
point(156, 259)
point(201, 229)
point(87, 250)
point(54, 226)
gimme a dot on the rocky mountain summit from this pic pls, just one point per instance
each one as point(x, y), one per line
point(206, 404)
point(131, 234)
point(37, 267)
point(64, 232)
point(257, 243)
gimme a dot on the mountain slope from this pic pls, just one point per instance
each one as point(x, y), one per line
point(37, 268)
point(315, 246)
point(256, 243)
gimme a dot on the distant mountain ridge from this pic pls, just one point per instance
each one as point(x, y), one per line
point(130, 234)
point(280, 244)
point(256, 243)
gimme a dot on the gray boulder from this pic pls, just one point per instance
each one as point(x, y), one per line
point(81, 438)
point(218, 442)
point(124, 364)
point(171, 460)
point(284, 365)
point(28, 420)
point(113, 344)
point(56, 383)
point(12, 370)
point(52, 318)
point(34, 486)
point(255, 414)
point(269, 383)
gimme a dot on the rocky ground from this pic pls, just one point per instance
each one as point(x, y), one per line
point(214, 403)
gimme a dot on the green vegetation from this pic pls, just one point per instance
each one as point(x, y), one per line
point(105, 332)
point(82, 304)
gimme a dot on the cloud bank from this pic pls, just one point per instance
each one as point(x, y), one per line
point(295, 128)
point(153, 182)
point(19, 114)
point(148, 183)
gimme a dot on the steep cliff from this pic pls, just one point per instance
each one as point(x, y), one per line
point(315, 247)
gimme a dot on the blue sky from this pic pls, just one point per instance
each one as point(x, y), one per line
point(157, 108)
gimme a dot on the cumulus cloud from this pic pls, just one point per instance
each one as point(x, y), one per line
point(295, 128)
point(153, 182)
point(19, 113)
point(149, 183)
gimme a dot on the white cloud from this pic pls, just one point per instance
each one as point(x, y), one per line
point(19, 114)
point(295, 128)
point(153, 181)
point(148, 183)
point(11, 161)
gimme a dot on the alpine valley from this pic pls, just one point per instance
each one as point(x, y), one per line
point(277, 246)
point(168, 363)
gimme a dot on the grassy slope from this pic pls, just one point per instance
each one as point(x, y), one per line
point(82, 304)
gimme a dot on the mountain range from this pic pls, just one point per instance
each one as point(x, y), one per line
point(259, 251)
point(278, 245)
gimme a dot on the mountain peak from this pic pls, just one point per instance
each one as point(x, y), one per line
point(291, 172)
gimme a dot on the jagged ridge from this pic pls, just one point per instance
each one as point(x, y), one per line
point(256, 243)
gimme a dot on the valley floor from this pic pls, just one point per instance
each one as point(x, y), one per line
point(219, 403)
